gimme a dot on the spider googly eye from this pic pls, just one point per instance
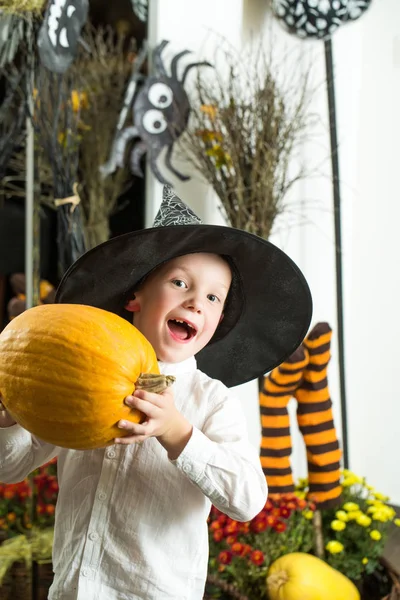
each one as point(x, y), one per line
point(160, 95)
point(154, 121)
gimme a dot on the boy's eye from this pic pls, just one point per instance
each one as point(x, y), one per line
point(179, 283)
point(213, 298)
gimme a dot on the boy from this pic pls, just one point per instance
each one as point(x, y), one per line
point(131, 518)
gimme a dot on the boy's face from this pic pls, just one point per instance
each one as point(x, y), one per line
point(180, 305)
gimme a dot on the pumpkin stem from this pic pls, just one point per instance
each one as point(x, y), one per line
point(277, 580)
point(152, 382)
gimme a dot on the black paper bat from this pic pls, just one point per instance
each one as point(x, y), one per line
point(60, 32)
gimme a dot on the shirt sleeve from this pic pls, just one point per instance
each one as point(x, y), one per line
point(21, 453)
point(221, 461)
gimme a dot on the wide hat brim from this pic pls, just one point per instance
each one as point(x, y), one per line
point(271, 300)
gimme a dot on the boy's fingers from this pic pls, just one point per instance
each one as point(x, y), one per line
point(144, 406)
point(133, 428)
point(156, 399)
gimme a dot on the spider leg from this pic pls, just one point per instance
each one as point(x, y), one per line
point(174, 63)
point(118, 150)
point(188, 67)
point(138, 151)
point(170, 166)
point(157, 60)
point(153, 156)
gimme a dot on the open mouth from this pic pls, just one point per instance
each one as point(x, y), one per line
point(181, 330)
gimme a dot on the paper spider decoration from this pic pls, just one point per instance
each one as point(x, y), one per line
point(161, 111)
point(60, 32)
point(317, 19)
point(141, 9)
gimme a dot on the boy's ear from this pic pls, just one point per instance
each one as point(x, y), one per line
point(132, 305)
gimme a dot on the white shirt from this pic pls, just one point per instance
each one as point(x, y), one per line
point(130, 523)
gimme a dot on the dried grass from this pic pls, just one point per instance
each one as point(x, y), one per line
point(21, 7)
point(244, 130)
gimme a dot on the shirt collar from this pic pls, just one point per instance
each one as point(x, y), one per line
point(186, 366)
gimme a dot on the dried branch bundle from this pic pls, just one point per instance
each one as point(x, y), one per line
point(21, 6)
point(244, 130)
point(103, 75)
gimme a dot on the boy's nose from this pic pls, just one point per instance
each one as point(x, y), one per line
point(194, 304)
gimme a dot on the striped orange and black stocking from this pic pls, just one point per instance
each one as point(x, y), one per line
point(276, 445)
point(315, 419)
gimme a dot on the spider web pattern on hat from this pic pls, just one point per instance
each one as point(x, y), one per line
point(173, 211)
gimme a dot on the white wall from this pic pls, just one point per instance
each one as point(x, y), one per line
point(368, 104)
point(367, 66)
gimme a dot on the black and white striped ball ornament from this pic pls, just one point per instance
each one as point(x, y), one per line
point(317, 19)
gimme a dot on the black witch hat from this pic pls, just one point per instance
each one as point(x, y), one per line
point(269, 306)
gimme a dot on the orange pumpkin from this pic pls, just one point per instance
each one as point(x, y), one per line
point(65, 370)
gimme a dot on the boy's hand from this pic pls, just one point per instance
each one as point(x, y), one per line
point(163, 421)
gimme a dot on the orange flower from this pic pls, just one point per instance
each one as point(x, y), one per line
point(225, 557)
point(237, 548)
point(232, 527)
point(284, 512)
point(218, 535)
point(244, 527)
point(257, 557)
point(215, 525)
point(271, 520)
point(11, 517)
point(280, 527)
point(259, 525)
point(50, 509)
point(231, 539)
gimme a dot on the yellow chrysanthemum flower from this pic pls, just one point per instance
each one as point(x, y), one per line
point(381, 516)
point(308, 514)
point(354, 515)
point(334, 547)
point(375, 535)
point(364, 521)
point(374, 502)
point(382, 497)
point(342, 515)
point(397, 522)
point(365, 561)
point(300, 495)
point(351, 479)
point(337, 525)
point(351, 506)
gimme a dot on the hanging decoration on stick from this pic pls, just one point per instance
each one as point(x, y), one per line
point(356, 8)
point(160, 113)
point(317, 19)
point(60, 33)
point(141, 9)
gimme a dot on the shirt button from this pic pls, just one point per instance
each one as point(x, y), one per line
point(186, 468)
point(111, 454)
point(93, 536)
point(102, 496)
point(85, 572)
